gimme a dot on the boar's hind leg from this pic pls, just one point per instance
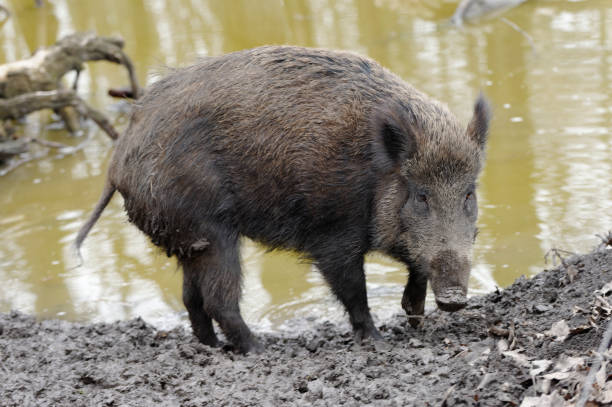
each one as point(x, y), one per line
point(201, 322)
point(215, 274)
point(413, 300)
point(347, 281)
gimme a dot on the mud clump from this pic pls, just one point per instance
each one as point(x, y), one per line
point(532, 343)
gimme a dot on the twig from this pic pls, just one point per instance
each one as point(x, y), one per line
point(64, 148)
point(520, 31)
point(606, 240)
point(448, 393)
point(47, 143)
point(556, 254)
point(16, 163)
point(587, 386)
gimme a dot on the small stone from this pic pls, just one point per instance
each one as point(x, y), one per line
point(542, 308)
point(314, 344)
point(559, 330)
point(415, 343)
point(301, 386)
point(426, 356)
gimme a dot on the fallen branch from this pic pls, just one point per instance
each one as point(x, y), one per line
point(46, 67)
point(36, 83)
point(21, 105)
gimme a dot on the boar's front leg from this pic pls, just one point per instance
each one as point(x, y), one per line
point(413, 300)
point(346, 278)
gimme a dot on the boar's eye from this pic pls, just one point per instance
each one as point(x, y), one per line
point(470, 203)
point(421, 203)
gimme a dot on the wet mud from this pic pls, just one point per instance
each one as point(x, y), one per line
point(533, 343)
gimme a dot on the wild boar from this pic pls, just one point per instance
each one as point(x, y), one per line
point(322, 152)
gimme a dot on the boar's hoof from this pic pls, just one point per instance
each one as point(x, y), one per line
point(252, 347)
point(361, 334)
point(415, 322)
point(415, 312)
point(452, 299)
point(256, 348)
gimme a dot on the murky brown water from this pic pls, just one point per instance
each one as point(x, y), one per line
point(547, 182)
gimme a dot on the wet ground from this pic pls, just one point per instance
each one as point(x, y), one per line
point(532, 343)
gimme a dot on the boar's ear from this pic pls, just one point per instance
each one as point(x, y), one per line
point(478, 129)
point(394, 137)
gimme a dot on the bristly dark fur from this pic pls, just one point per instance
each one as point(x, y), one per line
point(298, 148)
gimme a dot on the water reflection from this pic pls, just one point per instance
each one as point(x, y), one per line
point(547, 181)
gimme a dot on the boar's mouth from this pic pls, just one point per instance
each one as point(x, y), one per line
point(449, 278)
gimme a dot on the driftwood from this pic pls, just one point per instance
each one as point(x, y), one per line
point(36, 83)
point(44, 70)
point(469, 10)
point(472, 10)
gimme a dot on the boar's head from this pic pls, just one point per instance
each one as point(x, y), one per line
point(426, 207)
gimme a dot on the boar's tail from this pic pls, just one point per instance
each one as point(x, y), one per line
point(107, 194)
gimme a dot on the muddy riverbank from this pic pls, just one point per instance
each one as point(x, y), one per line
point(530, 343)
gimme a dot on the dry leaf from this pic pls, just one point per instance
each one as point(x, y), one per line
point(559, 330)
point(547, 400)
point(605, 396)
point(606, 288)
point(569, 363)
point(558, 375)
point(531, 402)
point(502, 345)
point(519, 359)
point(539, 366)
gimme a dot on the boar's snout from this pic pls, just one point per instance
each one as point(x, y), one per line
point(452, 299)
point(449, 279)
